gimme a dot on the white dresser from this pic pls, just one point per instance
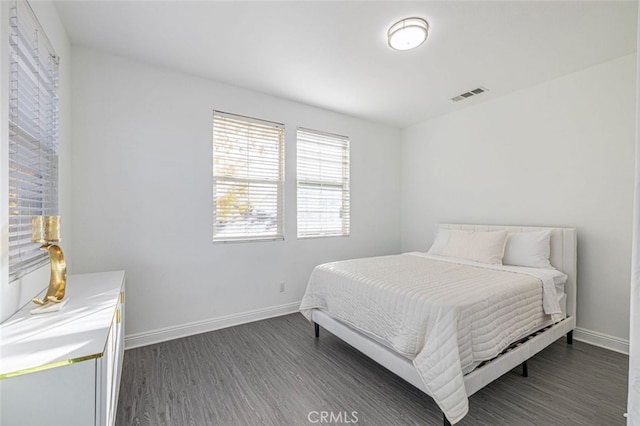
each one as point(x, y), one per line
point(63, 368)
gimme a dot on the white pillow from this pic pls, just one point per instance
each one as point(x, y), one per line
point(480, 246)
point(440, 242)
point(528, 249)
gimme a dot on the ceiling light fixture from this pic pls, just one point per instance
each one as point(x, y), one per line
point(408, 33)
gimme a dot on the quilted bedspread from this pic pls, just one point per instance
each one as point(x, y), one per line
point(447, 316)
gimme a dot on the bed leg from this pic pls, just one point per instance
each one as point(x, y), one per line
point(525, 369)
point(570, 337)
point(445, 421)
point(316, 329)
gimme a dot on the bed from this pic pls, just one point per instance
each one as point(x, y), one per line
point(450, 326)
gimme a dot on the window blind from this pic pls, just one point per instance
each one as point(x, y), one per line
point(248, 178)
point(33, 136)
point(323, 184)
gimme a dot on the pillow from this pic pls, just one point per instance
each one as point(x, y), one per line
point(528, 249)
point(440, 242)
point(481, 246)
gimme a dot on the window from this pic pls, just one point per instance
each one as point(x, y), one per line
point(248, 177)
point(33, 136)
point(323, 184)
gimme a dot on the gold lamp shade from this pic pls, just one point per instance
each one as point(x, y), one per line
point(45, 229)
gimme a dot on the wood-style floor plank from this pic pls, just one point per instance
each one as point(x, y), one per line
point(274, 372)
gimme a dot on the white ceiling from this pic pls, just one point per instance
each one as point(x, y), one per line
point(334, 55)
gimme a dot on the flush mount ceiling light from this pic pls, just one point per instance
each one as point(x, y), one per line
point(408, 33)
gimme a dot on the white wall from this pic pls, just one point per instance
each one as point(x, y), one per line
point(16, 294)
point(559, 154)
point(142, 165)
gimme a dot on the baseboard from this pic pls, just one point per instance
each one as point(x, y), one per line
point(162, 335)
point(602, 340)
point(169, 333)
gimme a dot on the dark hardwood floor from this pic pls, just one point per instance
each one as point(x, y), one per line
point(274, 372)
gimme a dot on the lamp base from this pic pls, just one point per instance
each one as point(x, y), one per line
point(49, 307)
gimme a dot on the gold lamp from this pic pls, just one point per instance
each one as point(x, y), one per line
point(46, 230)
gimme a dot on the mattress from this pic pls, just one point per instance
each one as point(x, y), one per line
point(558, 278)
point(445, 315)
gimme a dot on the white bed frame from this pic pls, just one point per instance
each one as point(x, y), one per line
point(563, 257)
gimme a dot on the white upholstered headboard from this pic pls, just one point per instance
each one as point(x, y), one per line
point(564, 255)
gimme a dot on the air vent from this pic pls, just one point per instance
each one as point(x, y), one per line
point(470, 93)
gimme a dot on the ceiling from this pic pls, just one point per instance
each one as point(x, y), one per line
point(334, 55)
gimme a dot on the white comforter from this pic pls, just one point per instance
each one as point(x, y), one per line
point(447, 316)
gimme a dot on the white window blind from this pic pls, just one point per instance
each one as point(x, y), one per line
point(248, 177)
point(323, 184)
point(33, 136)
